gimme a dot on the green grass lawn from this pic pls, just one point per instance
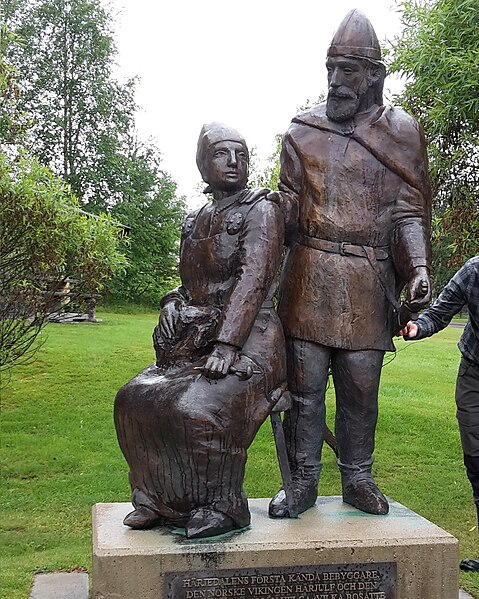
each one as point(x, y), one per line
point(60, 455)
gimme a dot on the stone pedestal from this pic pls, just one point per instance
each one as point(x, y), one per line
point(333, 551)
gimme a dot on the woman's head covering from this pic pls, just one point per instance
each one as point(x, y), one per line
point(211, 134)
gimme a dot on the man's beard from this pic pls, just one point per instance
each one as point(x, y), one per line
point(342, 104)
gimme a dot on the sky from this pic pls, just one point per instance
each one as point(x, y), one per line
point(248, 64)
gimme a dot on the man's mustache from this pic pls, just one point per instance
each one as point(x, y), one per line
point(342, 93)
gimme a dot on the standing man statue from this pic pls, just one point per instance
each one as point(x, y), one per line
point(355, 191)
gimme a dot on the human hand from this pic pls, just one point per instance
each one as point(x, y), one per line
point(409, 331)
point(275, 197)
point(220, 361)
point(418, 293)
point(168, 319)
point(254, 194)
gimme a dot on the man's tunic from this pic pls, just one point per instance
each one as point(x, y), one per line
point(360, 206)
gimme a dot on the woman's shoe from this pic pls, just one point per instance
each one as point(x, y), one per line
point(205, 522)
point(142, 518)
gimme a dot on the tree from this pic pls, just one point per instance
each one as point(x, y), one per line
point(45, 240)
point(269, 176)
point(12, 120)
point(83, 127)
point(150, 208)
point(81, 116)
point(45, 237)
point(438, 53)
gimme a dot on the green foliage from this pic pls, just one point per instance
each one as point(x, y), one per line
point(269, 176)
point(12, 120)
point(81, 116)
point(438, 53)
point(83, 128)
point(60, 453)
point(45, 239)
point(442, 270)
point(154, 215)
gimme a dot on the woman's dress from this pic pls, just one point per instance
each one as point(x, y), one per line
point(184, 435)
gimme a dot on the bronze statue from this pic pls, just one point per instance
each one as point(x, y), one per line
point(355, 191)
point(185, 423)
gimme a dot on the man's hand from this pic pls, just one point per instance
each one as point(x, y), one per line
point(254, 194)
point(275, 196)
point(418, 293)
point(168, 319)
point(409, 331)
point(220, 361)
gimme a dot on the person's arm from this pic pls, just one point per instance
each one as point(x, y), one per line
point(411, 247)
point(261, 242)
point(290, 181)
point(449, 303)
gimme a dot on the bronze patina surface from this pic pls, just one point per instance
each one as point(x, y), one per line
point(355, 193)
point(185, 423)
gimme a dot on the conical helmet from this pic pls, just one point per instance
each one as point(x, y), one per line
point(355, 37)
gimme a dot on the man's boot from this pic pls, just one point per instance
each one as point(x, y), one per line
point(303, 427)
point(356, 378)
point(363, 494)
point(305, 493)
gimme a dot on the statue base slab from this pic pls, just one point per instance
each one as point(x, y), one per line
point(332, 551)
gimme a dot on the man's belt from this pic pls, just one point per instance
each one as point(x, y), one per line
point(343, 248)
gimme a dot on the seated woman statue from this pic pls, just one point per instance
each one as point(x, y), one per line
point(185, 423)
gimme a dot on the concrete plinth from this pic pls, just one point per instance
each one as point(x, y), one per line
point(333, 551)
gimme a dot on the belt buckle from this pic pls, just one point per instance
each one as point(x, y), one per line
point(342, 248)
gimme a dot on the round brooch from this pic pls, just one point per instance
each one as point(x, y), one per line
point(188, 226)
point(234, 223)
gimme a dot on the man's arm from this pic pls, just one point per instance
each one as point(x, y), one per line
point(289, 186)
point(411, 247)
point(451, 300)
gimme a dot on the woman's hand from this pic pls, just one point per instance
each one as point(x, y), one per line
point(168, 319)
point(220, 361)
